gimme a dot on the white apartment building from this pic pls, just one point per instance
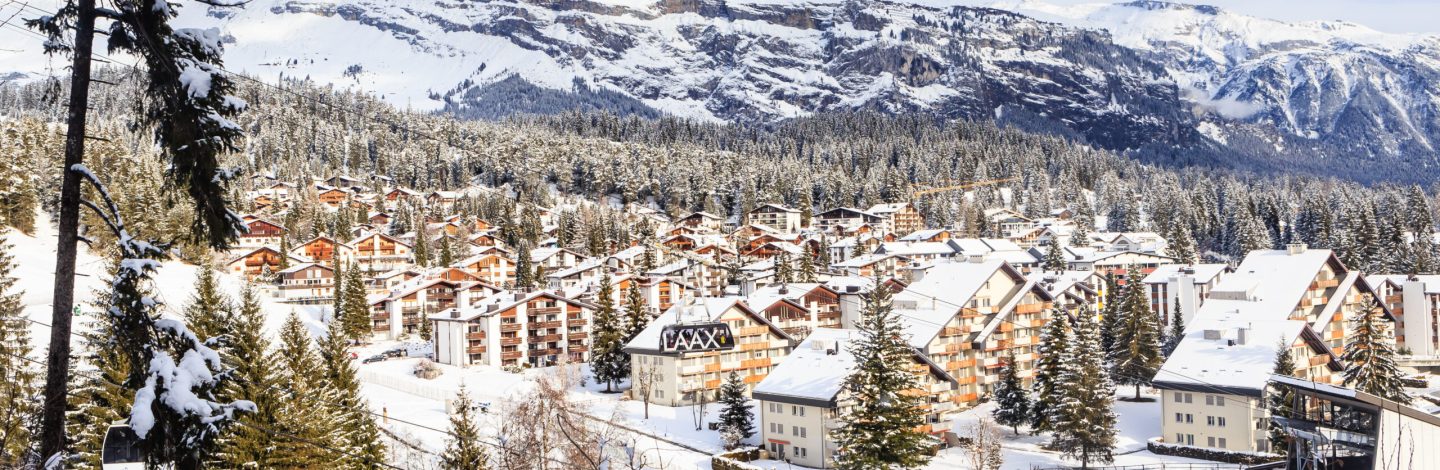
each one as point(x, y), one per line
point(802, 400)
point(1186, 285)
point(1415, 301)
point(775, 216)
point(307, 283)
point(512, 329)
point(676, 378)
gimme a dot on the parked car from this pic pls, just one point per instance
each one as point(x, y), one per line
point(375, 358)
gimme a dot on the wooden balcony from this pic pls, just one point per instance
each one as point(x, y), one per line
point(510, 340)
point(574, 335)
point(577, 321)
point(475, 350)
point(543, 311)
point(1318, 360)
point(478, 335)
point(575, 348)
point(508, 327)
point(545, 324)
point(544, 352)
point(511, 354)
point(543, 339)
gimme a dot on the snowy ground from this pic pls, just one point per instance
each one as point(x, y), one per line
point(416, 407)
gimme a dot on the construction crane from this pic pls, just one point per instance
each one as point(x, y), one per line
point(924, 192)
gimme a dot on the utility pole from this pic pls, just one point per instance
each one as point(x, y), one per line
point(52, 432)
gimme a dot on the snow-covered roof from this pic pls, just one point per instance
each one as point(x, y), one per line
point(887, 209)
point(705, 309)
point(1431, 281)
point(301, 267)
point(499, 302)
point(814, 372)
point(1226, 364)
point(921, 235)
point(1273, 279)
point(764, 297)
point(843, 283)
point(921, 325)
point(1061, 282)
point(863, 260)
point(1203, 273)
point(916, 249)
point(948, 286)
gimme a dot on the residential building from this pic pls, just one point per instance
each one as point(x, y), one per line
point(1415, 301)
point(307, 283)
point(844, 217)
point(513, 329)
point(400, 311)
point(802, 401)
point(260, 232)
point(377, 252)
point(325, 250)
point(703, 220)
point(676, 378)
point(1183, 285)
point(900, 217)
point(493, 268)
point(260, 262)
point(775, 216)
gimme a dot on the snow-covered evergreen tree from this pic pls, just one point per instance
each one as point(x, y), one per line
point(422, 246)
point(355, 317)
point(1084, 420)
point(1054, 256)
point(1135, 356)
point(463, 450)
point(1050, 366)
point(608, 361)
point(808, 270)
point(305, 410)
point(1279, 399)
point(254, 378)
point(1176, 330)
point(636, 318)
point(1369, 356)
point(1110, 314)
point(19, 378)
point(1012, 400)
point(880, 428)
point(356, 434)
point(208, 313)
point(735, 417)
point(524, 272)
point(784, 274)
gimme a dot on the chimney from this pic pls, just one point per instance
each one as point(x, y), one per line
point(1295, 248)
point(454, 313)
point(1241, 334)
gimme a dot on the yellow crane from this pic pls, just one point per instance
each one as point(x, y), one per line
point(924, 192)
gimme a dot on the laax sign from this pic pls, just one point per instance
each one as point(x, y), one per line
point(696, 338)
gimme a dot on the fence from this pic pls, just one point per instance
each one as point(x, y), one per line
point(430, 391)
point(1155, 466)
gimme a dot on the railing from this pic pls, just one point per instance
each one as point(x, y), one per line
point(508, 327)
point(545, 324)
point(510, 354)
point(475, 335)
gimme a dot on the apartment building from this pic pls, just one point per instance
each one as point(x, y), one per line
point(555, 259)
point(512, 329)
point(844, 217)
point(1072, 289)
point(307, 283)
point(801, 402)
point(1183, 285)
point(1415, 302)
point(677, 378)
point(260, 262)
point(260, 232)
point(400, 311)
point(968, 316)
point(871, 265)
point(900, 217)
point(493, 268)
point(703, 221)
point(1212, 386)
point(797, 308)
point(377, 252)
point(775, 216)
point(325, 250)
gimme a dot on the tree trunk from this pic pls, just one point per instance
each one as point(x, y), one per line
point(52, 433)
point(1137, 392)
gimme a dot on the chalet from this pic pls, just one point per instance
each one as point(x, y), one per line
point(380, 252)
point(325, 250)
point(399, 195)
point(584, 273)
point(768, 250)
point(779, 217)
point(261, 262)
point(872, 265)
point(514, 329)
point(389, 280)
point(261, 232)
point(934, 235)
point(380, 219)
point(481, 225)
point(899, 217)
point(262, 202)
point(1006, 221)
point(1072, 290)
point(1114, 263)
point(493, 268)
point(678, 378)
point(555, 259)
point(333, 197)
point(341, 181)
point(444, 199)
point(307, 283)
point(703, 220)
point(485, 239)
point(797, 308)
point(278, 191)
point(803, 400)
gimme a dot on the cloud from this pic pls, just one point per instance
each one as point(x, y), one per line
point(1227, 107)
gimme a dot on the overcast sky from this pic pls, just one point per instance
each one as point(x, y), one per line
point(1398, 16)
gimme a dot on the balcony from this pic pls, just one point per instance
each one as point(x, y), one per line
point(543, 339)
point(544, 352)
point(475, 350)
point(576, 348)
point(509, 327)
point(478, 335)
point(1318, 360)
point(506, 355)
point(578, 322)
point(510, 340)
point(544, 324)
point(544, 311)
point(573, 335)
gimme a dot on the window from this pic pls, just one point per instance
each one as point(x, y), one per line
point(1209, 442)
point(797, 410)
point(1179, 417)
point(1220, 421)
point(1209, 400)
point(1189, 418)
point(799, 451)
point(777, 428)
point(1189, 398)
point(1179, 438)
point(794, 430)
point(1190, 439)
point(659, 393)
point(1219, 400)
point(1177, 397)
point(1209, 420)
point(1222, 442)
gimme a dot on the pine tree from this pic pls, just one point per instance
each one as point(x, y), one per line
point(1369, 357)
point(284, 252)
point(735, 417)
point(1080, 237)
point(783, 273)
point(463, 451)
point(1054, 256)
point(647, 260)
point(524, 273)
point(355, 318)
point(1110, 314)
point(304, 408)
point(1135, 357)
point(1050, 366)
point(1177, 330)
point(1180, 243)
point(1012, 401)
point(880, 429)
point(447, 255)
point(1084, 421)
point(19, 386)
point(859, 249)
point(356, 434)
point(807, 268)
point(425, 330)
point(247, 444)
point(95, 402)
point(1279, 399)
point(422, 247)
point(636, 319)
point(608, 361)
point(208, 312)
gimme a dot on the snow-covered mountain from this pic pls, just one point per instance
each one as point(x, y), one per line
point(1177, 83)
